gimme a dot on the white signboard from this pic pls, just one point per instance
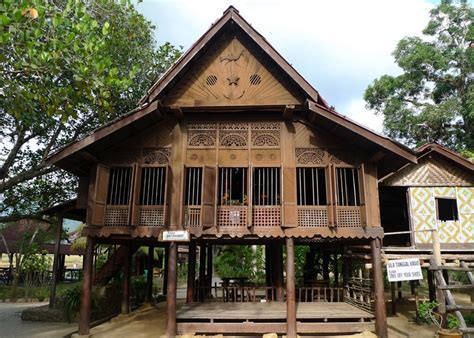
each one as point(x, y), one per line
point(176, 236)
point(404, 269)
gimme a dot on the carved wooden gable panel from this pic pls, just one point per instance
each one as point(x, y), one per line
point(229, 75)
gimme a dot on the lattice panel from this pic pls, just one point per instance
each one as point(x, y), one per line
point(312, 217)
point(266, 216)
point(348, 217)
point(152, 217)
point(232, 216)
point(192, 216)
point(116, 216)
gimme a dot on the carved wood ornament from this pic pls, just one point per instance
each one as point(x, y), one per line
point(230, 75)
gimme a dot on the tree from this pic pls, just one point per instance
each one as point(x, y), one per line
point(66, 67)
point(433, 99)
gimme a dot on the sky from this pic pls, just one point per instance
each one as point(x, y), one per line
point(338, 46)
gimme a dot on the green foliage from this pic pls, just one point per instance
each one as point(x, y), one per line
point(452, 322)
point(138, 289)
point(241, 261)
point(70, 301)
point(433, 99)
point(426, 312)
point(66, 67)
point(300, 262)
point(469, 318)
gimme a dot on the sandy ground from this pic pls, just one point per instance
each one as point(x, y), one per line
point(11, 324)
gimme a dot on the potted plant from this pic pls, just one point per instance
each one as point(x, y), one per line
point(427, 314)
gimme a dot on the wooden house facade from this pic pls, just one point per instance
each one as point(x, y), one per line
point(233, 146)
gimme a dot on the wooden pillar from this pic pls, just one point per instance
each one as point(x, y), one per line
point(346, 274)
point(202, 271)
point(209, 267)
point(431, 286)
point(394, 299)
point(277, 271)
point(437, 260)
point(290, 289)
point(377, 271)
point(85, 309)
point(165, 273)
point(126, 281)
point(326, 266)
point(191, 272)
point(268, 271)
point(54, 279)
point(336, 269)
point(171, 295)
point(399, 287)
point(149, 275)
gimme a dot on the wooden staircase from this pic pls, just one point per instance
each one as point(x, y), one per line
point(451, 305)
point(112, 265)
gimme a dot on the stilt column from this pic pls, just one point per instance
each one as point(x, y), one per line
point(149, 275)
point(171, 294)
point(85, 309)
point(126, 281)
point(54, 279)
point(191, 272)
point(290, 290)
point(380, 312)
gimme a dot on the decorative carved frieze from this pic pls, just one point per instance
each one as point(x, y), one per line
point(233, 138)
point(310, 156)
point(201, 138)
point(156, 155)
point(265, 138)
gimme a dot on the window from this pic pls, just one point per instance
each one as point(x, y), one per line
point(233, 186)
point(152, 186)
point(347, 187)
point(120, 179)
point(192, 195)
point(311, 186)
point(447, 209)
point(266, 186)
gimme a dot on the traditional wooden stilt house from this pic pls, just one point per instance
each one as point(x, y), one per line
point(233, 146)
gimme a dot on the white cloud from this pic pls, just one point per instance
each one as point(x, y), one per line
point(338, 46)
point(356, 111)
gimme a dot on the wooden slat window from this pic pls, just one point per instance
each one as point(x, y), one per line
point(311, 186)
point(193, 188)
point(233, 186)
point(347, 187)
point(266, 186)
point(152, 186)
point(119, 188)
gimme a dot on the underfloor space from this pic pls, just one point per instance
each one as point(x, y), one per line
point(318, 317)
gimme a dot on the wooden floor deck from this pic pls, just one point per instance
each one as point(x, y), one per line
point(271, 317)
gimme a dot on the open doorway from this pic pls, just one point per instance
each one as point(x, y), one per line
point(394, 215)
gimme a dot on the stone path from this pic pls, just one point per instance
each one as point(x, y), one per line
point(11, 324)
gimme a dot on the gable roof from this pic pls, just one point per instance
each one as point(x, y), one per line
point(230, 16)
point(81, 152)
point(461, 173)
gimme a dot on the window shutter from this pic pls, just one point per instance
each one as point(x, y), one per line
point(290, 211)
point(168, 185)
point(363, 197)
point(250, 196)
point(98, 196)
point(135, 195)
point(330, 192)
point(208, 196)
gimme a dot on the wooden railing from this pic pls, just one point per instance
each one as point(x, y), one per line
point(152, 215)
point(117, 215)
point(232, 216)
point(360, 293)
point(192, 216)
point(242, 294)
point(348, 216)
point(266, 216)
point(313, 216)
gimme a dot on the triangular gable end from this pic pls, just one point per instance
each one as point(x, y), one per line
point(230, 74)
